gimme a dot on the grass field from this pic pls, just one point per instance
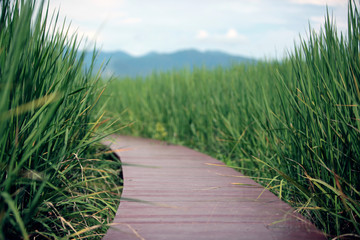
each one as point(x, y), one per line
point(55, 180)
point(292, 125)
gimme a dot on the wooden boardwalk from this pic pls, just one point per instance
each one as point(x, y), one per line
point(183, 194)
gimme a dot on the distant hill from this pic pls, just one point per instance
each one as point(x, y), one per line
point(123, 64)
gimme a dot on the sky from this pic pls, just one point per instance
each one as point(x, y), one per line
point(252, 28)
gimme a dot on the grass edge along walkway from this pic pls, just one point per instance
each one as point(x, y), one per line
point(173, 192)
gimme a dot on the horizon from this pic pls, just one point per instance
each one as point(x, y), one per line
point(175, 51)
point(256, 29)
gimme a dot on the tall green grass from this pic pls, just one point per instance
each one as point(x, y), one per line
point(292, 125)
point(322, 118)
point(54, 182)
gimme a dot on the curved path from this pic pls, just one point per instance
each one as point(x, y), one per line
point(173, 192)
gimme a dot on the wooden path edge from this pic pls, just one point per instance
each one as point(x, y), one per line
point(173, 192)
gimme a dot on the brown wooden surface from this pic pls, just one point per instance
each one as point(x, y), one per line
point(183, 194)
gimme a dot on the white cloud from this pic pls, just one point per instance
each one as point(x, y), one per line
point(202, 34)
point(251, 27)
point(231, 36)
point(321, 2)
point(107, 3)
point(89, 12)
point(131, 20)
point(232, 33)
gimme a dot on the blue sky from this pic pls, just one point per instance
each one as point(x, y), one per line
point(254, 28)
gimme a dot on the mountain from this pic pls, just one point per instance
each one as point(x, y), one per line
point(123, 64)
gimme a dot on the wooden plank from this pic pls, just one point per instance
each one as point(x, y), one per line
point(183, 194)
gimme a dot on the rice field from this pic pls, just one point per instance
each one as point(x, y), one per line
point(56, 180)
point(292, 125)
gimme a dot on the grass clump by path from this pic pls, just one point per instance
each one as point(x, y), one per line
point(54, 180)
point(292, 125)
